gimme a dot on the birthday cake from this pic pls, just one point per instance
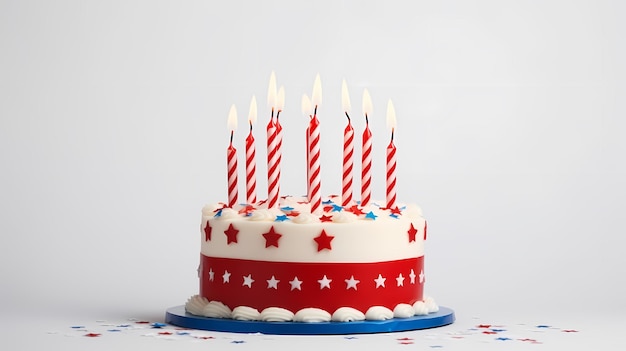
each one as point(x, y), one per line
point(311, 259)
point(287, 264)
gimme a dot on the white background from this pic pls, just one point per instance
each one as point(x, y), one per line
point(113, 136)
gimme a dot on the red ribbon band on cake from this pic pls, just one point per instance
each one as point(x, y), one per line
point(237, 282)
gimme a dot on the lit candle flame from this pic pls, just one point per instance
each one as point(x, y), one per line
point(271, 91)
point(306, 105)
point(367, 103)
point(316, 97)
point(280, 101)
point(345, 97)
point(391, 116)
point(253, 111)
point(232, 119)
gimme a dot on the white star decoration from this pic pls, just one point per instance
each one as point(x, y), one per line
point(400, 280)
point(211, 274)
point(324, 282)
point(380, 281)
point(247, 281)
point(226, 277)
point(295, 283)
point(422, 276)
point(412, 276)
point(272, 283)
point(351, 283)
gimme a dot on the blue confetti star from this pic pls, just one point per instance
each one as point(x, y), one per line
point(337, 208)
point(114, 330)
point(158, 325)
point(77, 326)
point(123, 326)
point(543, 326)
point(498, 330)
point(237, 342)
point(182, 333)
point(371, 215)
point(350, 337)
point(286, 208)
point(393, 215)
point(281, 218)
point(218, 213)
point(436, 346)
point(327, 202)
point(503, 339)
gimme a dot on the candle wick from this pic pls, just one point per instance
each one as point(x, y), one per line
point(278, 114)
point(250, 126)
point(315, 111)
point(348, 116)
point(367, 121)
point(231, 137)
point(392, 130)
point(272, 113)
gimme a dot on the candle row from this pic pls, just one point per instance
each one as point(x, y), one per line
point(274, 130)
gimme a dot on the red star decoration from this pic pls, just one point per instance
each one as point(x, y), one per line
point(425, 227)
point(484, 326)
point(412, 232)
point(395, 211)
point(271, 238)
point(165, 333)
point(231, 234)
point(404, 339)
point(570, 331)
point(356, 210)
point(221, 208)
point(92, 335)
point(323, 241)
point(293, 214)
point(328, 208)
point(326, 218)
point(489, 332)
point(207, 231)
point(247, 209)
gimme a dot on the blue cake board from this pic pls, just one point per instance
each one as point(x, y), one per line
point(179, 317)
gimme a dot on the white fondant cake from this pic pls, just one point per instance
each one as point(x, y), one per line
point(345, 263)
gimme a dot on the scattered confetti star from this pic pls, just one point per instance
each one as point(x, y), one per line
point(412, 233)
point(142, 322)
point(323, 241)
point(281, 218)
point(328, 208)
point(77, 326)
point(570, 331)
point(395, 211)
point(498, 330)
point(182, 333)
point(293, 214)
point(237, 342)
point(503, 339)
point(489, 332)
point(356, 210)
point(543, 326)
point(218, 212)
point(92, 335)
point(337, 208)
point(158, 325)
point(286, 208)
point(404, 339)
point(165, 333)
point(350, 337)
point(393, 215)
point(483, 326)
point(271, 238)
point(114, 330)
point(325, 218)
point(207, 232)
point(327, 202)
point(371, 215)
point(231, 234)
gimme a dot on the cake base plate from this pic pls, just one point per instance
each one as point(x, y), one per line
point(179, 317)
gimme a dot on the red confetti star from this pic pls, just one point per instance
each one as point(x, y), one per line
point(293, 214)
point(247, 209)
point(271, 238)
point(570, 331)
point(142, 322)
point(356, 210)
point(489, 332)
point(484, 326)
point(323, 241)
point(92, 335)
point(165, 333)
point(326, 218)
point(205, 337)
point(207, 231)
point(404, 339)
point(412, 232)
point(328, 208)
point(395, 211)
point(406, 342)
point(231, 234)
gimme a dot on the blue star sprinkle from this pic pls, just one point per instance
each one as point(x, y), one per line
point(503, 339)
point(498, 330)
point(218, 213)
point(123, 326)
point(286, 208)
point(371, 215)
point(77, 326)
point(327, 202)
point(281, 218)
point(337, 208)
point(237, 342)
point(543, 326)
point(114, 330)
point(350, 337)
point(393, 215)
point(158, 325)
point(182, 333)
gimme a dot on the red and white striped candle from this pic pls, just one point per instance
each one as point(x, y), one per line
point(348, 149)
point(306, 111)
point(391, 157)
point(315, 198)
point(273, 170)
point(251, 156)
point(366, 158)
point(231, 159)
point(280, 104)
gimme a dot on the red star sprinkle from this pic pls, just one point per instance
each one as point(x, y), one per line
point(489, 332)
point(395, 210)
point(484, 326)
point(231, 234)
point(142, 322)
point(328, 208)
point(323, 241)
point(412, 232)
point(204, 337)
point(165, 333)
point(293, 214)
point(404, 339)
point(271, 238)
point(247, 209)
point(326, 218)
point(92, 335)
point(425, 228)
point(356, 210)
point(570, 331)
point(406, 342)
point(207, 231)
